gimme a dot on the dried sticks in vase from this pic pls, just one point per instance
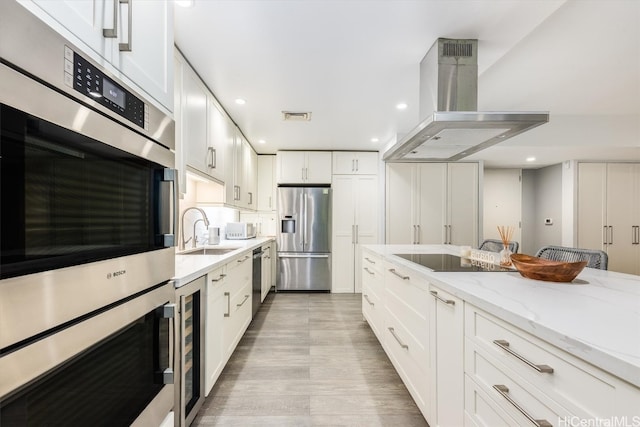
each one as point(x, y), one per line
point(506, 233)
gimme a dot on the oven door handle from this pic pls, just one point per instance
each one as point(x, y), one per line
point(164, 374)
point(169, 207)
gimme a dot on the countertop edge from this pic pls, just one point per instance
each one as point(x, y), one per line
point(190, 267)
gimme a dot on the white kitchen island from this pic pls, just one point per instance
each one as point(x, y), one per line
point(489, 348)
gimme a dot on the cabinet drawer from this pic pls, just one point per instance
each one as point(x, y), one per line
point(581, 388)
point(411, 325)
point(404, 352)
point(480, 410)
point(373, 310)
point(372, 262)
point(494, 378)
point(407, 288)
point(372, 279)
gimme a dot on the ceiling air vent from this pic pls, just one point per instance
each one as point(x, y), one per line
point(296, 116)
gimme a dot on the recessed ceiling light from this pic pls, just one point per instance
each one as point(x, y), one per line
point(262, 141)
point(530, 159)
point(240, 101)
point(402, 106)
point(374, 140)
point(184, 3)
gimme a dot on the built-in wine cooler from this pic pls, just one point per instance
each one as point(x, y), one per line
point(190, 384)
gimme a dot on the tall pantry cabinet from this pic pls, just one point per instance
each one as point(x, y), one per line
point(432, 203)
point(609, 212)
point(354, 217)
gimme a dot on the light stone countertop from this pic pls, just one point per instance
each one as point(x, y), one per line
point(595, 318)
point(190, 267)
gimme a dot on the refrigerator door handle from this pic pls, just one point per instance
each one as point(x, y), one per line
point(302, 255)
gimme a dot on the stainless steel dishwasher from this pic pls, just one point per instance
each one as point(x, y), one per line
point(256, 281)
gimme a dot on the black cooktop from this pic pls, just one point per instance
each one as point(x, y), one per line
point(451, 263)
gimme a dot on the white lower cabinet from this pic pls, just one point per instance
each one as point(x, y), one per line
point(529, 379)
point(406, 332)
point(266, 274)
point(447, 358)
point(238, 293)
point(372, 293)
point(216, 308)
point(464, 366)
point(228, 314)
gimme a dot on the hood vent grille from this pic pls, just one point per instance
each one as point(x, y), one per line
point(457, 50)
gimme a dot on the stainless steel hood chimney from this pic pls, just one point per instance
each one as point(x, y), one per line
point(451, 128)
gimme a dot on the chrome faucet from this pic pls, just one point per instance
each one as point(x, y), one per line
point(206, 224)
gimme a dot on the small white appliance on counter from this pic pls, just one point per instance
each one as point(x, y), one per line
point(240, 230)
point(214, 235)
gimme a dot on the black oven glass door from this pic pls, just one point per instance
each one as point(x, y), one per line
point(108, 385)
point(67, 199)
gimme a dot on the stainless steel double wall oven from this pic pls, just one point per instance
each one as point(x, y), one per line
point(88, 214)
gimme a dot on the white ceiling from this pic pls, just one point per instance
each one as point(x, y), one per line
point(350, 62)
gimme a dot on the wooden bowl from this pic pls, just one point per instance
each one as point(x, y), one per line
point(547, 270)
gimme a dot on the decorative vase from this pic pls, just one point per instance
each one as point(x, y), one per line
point(505, 257)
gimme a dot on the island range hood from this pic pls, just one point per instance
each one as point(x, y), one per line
point(451, 128)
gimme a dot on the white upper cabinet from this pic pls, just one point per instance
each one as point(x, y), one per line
point(304, 167)
point(194, 120)
point(132, 39)
point(266, 183)
point(220, 134)
point(355, 163)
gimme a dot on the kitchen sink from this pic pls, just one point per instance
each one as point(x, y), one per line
point(208, 251)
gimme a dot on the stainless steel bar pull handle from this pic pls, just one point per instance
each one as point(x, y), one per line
point(220, 277)
point(126, 47)
point(169, 206)
point(213, 157)
point(112, 32)
point(369, 260)
point(504, 390)
point(246, 297)
point(243, 259)
point(605, 237)
point(393, 332)
point(369, 271)
point(228, 295)
point(368, 300)
point(611, 234)
point(418, 234)
point(393, 270)
point(540, 368)
point(439, 298)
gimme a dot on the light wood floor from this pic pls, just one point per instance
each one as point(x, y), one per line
point(309, 360)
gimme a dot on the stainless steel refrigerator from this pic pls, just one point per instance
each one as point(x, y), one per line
point(304, 239)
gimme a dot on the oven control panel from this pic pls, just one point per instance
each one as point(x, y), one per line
point(90, 81)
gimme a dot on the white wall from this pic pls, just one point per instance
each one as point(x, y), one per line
point(528, 245)
point(502, 202)
point(542, 198)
